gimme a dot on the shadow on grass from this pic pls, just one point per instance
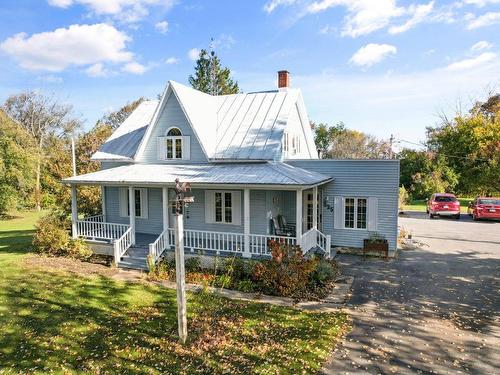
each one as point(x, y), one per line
point(16, 241)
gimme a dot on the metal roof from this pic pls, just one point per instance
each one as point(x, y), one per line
point(123, 143)
point(268, 173)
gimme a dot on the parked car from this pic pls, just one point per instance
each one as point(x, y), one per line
point(443, 205)
point(484, 208)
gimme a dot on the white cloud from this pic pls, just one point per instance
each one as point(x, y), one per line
point(77, 45)
point(162, 27)
point(224, 41)
point(481, 3)
point(487, 19)
point(482, 45)
point(172, 60)
point(97, 70)
point(273, 4)
point(419, 14)
point(123, 10)
point(50, 78)
point(194, 54)
point(134, 68)
point(475, 62)
point(372, 54)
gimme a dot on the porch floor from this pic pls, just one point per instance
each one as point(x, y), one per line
point(144, 239)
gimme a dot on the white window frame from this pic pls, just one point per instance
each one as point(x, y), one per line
point(124, 204)
point(174, 139)
point(356, 200)
point(210, 208)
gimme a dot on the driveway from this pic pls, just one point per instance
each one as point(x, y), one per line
point(433, 310)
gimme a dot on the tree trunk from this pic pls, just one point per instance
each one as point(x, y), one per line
point(37, 184)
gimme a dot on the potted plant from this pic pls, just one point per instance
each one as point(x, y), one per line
point(376, 243)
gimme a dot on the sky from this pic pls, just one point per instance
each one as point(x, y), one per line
point(380, 66)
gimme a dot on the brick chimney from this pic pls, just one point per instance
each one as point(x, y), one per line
point(283, 79)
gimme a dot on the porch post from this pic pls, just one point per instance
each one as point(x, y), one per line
point(298, 217)
point(131, 208)
point(74, 212)
point(164, 195)
point(246, 222)
point(103, 203)
point(315, 207)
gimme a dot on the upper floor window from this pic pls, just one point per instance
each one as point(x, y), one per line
point(291, 144)
point(174, 145)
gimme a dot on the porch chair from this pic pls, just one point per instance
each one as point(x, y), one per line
point(281, 228)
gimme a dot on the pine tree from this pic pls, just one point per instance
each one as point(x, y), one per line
point(211, 77)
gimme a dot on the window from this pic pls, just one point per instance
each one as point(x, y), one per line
point(140, 203)
point(223, 207)
point(174, 141)
point(291, 144)
point(355, 210)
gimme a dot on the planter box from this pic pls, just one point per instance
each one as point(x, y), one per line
point(376, 247)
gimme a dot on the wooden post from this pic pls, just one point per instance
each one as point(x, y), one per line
point(164, 196)
point(180, 277)
point(74, 212)
point(103, 203)
point(298, 216)
point(246, 222)
point(131, 208)
point(315, 207)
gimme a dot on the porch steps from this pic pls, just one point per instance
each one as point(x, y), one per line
point(135, 258)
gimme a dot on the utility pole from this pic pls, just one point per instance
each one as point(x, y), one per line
point(391, 141)
point(180, 203)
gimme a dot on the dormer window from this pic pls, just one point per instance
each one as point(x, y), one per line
point(174, 144)
point(291, 144)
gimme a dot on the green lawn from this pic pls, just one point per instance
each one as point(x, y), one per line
point(420, 205)
point(55, 321)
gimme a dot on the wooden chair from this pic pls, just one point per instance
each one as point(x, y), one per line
point(281, 228)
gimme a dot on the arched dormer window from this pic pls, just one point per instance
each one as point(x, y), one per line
point(174, 141)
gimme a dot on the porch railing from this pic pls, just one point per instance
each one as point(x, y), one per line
point(259, 243)
point(314, 238)
point(95, 228)
point(121, 245)
point(157, 248)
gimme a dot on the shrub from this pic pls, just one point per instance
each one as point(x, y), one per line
point(192, 264)
point(326, 271)
point(223, 281)
point(51, 236)
point(78, 248)
point(246, 286)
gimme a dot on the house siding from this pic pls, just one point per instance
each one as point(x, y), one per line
point(363, 178)
point(172, 115)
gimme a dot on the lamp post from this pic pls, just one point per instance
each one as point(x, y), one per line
point(180, 203)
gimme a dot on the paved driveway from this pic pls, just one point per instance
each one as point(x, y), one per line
point(434, 310)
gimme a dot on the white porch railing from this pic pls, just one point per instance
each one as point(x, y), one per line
point(163, 241)
point(95, 228)
point(121, 245)
point(314, 238)
point(259, 243)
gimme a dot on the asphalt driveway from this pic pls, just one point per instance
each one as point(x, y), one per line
point(433, 310)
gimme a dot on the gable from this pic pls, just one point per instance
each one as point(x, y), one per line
point(170, 115)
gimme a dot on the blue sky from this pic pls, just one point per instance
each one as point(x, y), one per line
point(380, 66)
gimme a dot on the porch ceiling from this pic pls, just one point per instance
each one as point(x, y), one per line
point(279, 174)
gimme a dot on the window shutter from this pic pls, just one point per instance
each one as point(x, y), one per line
point(162, 152)
point(186, 147)
point(372, 213)
point(144, 203)
point(123, 202)
point(236, 200)
point(209, 206)
point(338, 213)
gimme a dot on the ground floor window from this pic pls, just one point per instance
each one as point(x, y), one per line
point(355, 210)
point(223, 207)
point(140, 203)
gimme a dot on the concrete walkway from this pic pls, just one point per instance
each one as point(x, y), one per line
point(434, 310)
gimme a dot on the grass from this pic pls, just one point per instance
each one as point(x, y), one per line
point(58, 322)
point(420, 205)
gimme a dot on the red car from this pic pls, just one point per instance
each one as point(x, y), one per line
point(443, 205)
point(484, 208)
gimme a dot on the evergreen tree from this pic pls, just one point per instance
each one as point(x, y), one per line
point(210, 77)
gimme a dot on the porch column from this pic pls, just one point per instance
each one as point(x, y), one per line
point(74, 212)
point(315, 207)
point(131, 208)
point(103, 203)
point(164, 195)
point(298, 216)
point(246, 222)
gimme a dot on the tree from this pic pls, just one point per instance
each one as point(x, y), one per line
point(17, 156)
point(42, 117)
point(471, 145)
point(210, 77)
point(115, 119)
point(338, 142)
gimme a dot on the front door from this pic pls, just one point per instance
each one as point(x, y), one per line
point(307, 209)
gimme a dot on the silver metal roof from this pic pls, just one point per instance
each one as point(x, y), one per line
point(268, 173)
